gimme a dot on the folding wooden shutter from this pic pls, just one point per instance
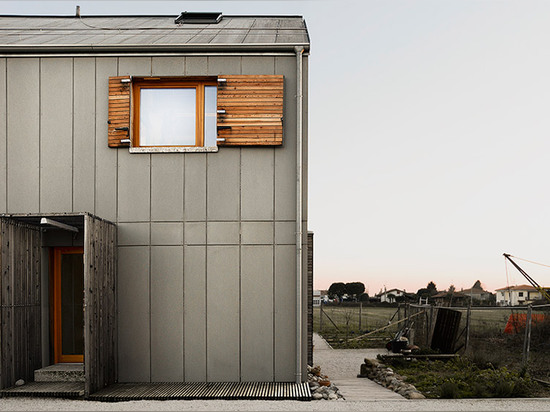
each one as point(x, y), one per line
point(250, 110)
point(119, 111)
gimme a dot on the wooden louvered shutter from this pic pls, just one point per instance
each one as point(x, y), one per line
point(250, 110)
point(119, 111)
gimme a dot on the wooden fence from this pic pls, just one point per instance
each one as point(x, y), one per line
point(20, 328)
point(100, 337)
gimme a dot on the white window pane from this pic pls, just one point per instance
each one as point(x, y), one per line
point(167, 117)
point(210, 119)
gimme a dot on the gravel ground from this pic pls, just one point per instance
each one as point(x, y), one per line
point(28, 404)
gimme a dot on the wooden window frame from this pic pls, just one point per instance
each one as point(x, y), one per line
point(170, 83)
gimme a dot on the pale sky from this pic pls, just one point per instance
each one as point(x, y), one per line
point(429, 134)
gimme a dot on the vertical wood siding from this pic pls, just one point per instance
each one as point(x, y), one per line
point(99, 304)
point(20, 316)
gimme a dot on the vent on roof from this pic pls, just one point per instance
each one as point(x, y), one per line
point(199, 18)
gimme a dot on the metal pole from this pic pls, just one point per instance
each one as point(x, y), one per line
point(299, 192)
point(360, 315)
point(321, 316)
point(527, 341)
point(431, 324)
point(468, 317)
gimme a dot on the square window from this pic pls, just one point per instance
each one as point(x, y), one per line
point(174, 113)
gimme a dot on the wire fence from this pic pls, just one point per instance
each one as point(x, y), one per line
point(517, 337)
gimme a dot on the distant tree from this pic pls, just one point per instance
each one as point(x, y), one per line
point(354, 289)
point(432, 289)
point(337, 289)
point(428, 291)
point(452, 290)
point(364, 297)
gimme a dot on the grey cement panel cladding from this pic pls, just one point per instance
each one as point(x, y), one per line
point(206, 255)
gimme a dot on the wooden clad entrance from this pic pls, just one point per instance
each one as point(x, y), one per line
point(68, 293)
point(20, 352)
point(83, 280)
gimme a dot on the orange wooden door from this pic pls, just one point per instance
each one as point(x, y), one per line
point(68, 297)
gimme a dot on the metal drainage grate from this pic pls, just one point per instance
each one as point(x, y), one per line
point(46, 389)
point(212, 390)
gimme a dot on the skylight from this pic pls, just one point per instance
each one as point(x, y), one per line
point(199, 18)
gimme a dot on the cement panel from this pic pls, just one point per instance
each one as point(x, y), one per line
point(257, 313)
point(3, 136)
point(166, 313)
point(196, 65)
point(106, 158)
point(224, 184)
point(195, 233)
point(167, 233)
point(257, 172)
point(84, 135)
point(134, 350)
point(56, 130)
point(285, 309)
point(258, 65)
point(195, 186)
point(134, 66)
point(222, 233)
point(195, 313)
point(168, 66)
point(305, 151)
point(224, 65)
point(223, 326)
point(257, 233)
point(134, 189)
point(285, 233)
point(133, 234)
point(166, 186)
point(23, 135)
point(285, 156)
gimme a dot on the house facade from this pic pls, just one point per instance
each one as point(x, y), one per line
point(160, 165)
point(391, 295)
point(517, 295)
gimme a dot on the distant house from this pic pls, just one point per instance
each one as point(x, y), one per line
point(477, 293)
point(446, 298)
point(391, 295)
point(317, 297)
point(517, 295)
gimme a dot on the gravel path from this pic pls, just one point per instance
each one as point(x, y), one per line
point(28, 404)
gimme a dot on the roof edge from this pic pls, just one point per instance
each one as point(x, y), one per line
point(141, 15)
point(108, 48)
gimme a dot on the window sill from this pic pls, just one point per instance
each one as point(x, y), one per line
point(173, 149)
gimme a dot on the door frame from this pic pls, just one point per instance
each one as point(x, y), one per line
point(56, 286)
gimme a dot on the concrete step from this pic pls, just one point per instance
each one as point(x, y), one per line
point(61, 372)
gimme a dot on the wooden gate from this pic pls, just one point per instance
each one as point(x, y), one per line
point(100, 339)
point(446, 330)
point(20, 328)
